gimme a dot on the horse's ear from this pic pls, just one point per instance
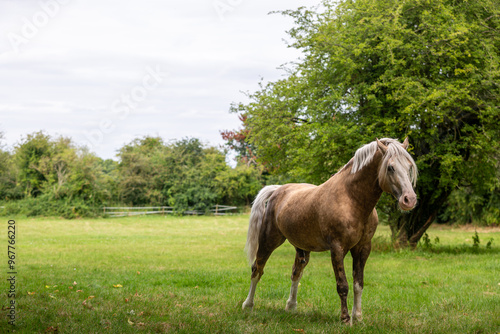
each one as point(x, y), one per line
point(406, 143)
point(381, 146)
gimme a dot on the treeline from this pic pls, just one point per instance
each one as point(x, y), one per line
point(49, 176)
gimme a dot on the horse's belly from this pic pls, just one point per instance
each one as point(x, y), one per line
point(305, 239)
point(309, 246)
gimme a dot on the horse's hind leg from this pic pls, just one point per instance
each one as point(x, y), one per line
point(268, 242)
point(301, 260)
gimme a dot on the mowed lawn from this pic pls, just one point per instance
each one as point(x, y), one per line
point(190, 275)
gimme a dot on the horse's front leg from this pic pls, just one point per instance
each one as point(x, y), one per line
point(359, 254)
point(338, 255)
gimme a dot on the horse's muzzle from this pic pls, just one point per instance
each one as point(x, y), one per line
point(407, 201)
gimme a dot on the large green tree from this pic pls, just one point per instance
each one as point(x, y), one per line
point(427, 69)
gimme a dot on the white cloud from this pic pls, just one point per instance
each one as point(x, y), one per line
point(67, 77)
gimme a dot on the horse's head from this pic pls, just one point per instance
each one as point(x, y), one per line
point(398, 172)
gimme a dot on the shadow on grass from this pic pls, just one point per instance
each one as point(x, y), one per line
point(270, 319)
point(461, 249)
point(385, 245)
point(267, 314)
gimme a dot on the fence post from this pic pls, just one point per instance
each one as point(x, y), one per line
point(216, 209)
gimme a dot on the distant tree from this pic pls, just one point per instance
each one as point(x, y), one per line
point(8, 173)
point(239, 185)
point(184, 174)
point(469, 205)
point(59, 169)
point(203, 178)
point(196, 183)
point(31, 156)
point(378, 68)
point(141, 172)
point(108, 170)
point(237, 141)
point(53, 176)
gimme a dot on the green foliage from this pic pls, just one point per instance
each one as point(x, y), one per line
point(240, 184)
point(46, 206)
point(47, 176)
point(475, 240)
point(183, 174)
point(196, 185)
point(424, 69)
point(59, 170)
point(32, 156)
point(8, 174)
point(471, 206)
point(489, 243)
point(140, 172)
point(426, 241)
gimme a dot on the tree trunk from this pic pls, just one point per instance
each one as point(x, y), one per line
point(408, 228)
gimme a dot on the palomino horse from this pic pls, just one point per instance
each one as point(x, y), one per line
point(338, 216)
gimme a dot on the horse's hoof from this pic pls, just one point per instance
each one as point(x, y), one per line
point(247, 306)
point(347, 321)
point(290, 306)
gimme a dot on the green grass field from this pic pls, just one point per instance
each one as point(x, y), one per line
point(189, 275)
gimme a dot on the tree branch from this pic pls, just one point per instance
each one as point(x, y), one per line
point(417, 235)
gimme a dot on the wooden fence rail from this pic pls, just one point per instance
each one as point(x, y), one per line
point(124, 211)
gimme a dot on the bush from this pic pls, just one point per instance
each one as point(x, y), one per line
point(46, 206)
point(466, 206)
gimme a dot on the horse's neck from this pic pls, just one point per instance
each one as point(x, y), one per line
point(362, 187)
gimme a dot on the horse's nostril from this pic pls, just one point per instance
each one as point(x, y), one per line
point(408, 201)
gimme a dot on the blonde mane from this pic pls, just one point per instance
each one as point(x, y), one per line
point(395, 151)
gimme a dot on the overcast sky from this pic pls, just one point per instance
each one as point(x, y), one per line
point(106, 72)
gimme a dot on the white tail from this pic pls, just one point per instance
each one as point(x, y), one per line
point(256, 218)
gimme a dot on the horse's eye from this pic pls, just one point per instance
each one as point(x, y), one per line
point(390, 169)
